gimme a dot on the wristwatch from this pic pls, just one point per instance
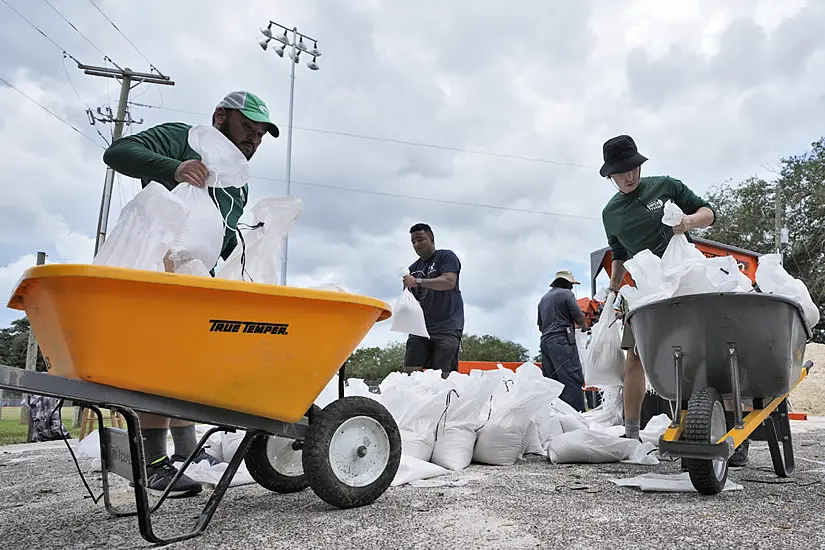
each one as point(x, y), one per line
point(418, 280)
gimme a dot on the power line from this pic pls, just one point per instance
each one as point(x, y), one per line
point(64, 121)
point(88, 109)
point(398, 141)
point(75, 28)
point(35, 27)
point(411, 143)
point(430, 199)
point(92, 2)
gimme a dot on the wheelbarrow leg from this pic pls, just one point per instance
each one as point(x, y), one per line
point(144, 512)
point(778, 428)
point(342, 377)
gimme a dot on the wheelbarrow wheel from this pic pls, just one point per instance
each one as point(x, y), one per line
point(352, 453)
point(705, 423)
point(275, 462)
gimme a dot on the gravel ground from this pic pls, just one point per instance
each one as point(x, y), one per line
point(532, 505)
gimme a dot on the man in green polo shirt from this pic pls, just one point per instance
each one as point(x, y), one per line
point(162, 154)
point(633, 222)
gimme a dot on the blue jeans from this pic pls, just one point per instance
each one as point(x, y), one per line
point(560, 361)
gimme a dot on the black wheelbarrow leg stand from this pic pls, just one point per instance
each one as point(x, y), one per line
point(774, 429)
point(138, 474)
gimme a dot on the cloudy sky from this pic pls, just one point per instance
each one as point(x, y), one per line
point(484, 120)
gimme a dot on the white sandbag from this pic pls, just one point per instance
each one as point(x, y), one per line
point(329, 393)
point(356, 387)
point(148, 225)
point(202, 236)
point(654, 429)
point(257, 254)
point(503, 440)
point(672, 215)
point(407, 316)
point(456, 430)
point(412, 469)
point(593, 447)
point(773, 279)
point(192, 267)
point(416, 412)
point(604, 359)
point(581, 345)
point(543, 427)
point(610, 410)
point(227, 165)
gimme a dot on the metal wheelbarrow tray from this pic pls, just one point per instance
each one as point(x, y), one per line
point(701, 351)
point(232, 354)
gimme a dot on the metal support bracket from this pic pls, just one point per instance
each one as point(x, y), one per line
point(733, 363)
point(679, 368)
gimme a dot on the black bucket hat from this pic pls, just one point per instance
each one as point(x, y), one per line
point(620, 155)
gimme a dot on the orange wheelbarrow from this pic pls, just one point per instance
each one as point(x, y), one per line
point(232, 354)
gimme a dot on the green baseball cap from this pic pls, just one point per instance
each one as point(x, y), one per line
point(252, 108)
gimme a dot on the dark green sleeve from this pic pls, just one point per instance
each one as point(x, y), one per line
point(686, 199)
point(151, 155)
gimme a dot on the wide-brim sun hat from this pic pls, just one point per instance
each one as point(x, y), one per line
point(620, 155)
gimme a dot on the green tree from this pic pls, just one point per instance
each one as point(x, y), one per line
point(374, 364)
point(13, 343)
point(491, 348)
point(745, 218)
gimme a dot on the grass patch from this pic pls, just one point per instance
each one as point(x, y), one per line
point(13, 432)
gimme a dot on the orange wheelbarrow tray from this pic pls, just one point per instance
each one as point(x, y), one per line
point(232, 354)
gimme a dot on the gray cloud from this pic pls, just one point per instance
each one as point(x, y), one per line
point(549, 81)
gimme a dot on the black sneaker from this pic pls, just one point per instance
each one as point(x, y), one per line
point(201, 456)
point(740, 455)
point(161, 472)
point(624, 436)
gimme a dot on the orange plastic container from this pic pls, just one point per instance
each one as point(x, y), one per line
point(266, 350)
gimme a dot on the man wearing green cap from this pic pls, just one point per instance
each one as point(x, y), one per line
point(162, 154)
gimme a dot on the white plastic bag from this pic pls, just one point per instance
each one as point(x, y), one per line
point(202, 236)
point(773, 279)
point(147, 226)
point(227, 166)
point(256, 257)
point(408, 317)
point(604, 359)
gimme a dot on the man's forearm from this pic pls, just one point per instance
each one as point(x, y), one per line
point(617, 272)
point(581, 322)
point(700, 219)
point(133, 160)
point(443, 282)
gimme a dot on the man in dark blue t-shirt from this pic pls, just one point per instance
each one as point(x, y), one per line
point(433, 280)
point(558, 312)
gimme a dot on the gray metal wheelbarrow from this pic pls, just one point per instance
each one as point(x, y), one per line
point(704, 350)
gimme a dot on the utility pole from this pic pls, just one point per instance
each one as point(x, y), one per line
point(31, 365)
point(128, 79)
point(778, 231)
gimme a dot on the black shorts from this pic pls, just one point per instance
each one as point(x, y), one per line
point(439, 351)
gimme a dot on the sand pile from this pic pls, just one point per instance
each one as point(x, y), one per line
point(810, 395)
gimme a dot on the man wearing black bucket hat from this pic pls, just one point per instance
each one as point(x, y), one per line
point(633, 222)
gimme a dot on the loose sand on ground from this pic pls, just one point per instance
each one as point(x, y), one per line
point(808, 397)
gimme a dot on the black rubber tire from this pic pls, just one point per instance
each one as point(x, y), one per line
point(317, 466)
point(265, 474)
point(698, 430)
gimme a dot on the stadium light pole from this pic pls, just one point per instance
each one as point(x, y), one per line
point(296, 46)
